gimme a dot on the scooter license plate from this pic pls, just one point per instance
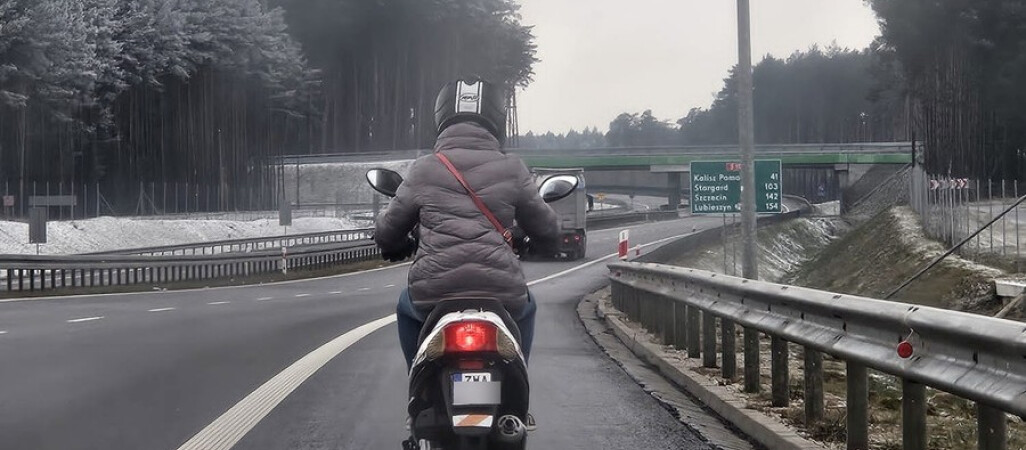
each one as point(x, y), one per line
point(475, 388)
point(468, 377)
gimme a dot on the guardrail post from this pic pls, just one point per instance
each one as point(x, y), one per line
point(708, 339)
point(10, 280)
point(813, 386)
point(32, 280)
point(779, 372)
point(615, 292)
point(680, 317)
point(752, 381)
point(642, 317)
point(857, 406)
point(993, 428)
point(666, 314)
point(630, 303)
point(728, 345)
point(913, 415)
point(694, 332)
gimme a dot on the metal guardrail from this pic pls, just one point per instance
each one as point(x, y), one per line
point(974, 357)
point(612, 220)
point(249, 244)
point(49, 272)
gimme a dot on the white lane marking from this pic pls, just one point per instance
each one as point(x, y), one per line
point(3, 331)
point(389, 285)
point(602, 259)
point(161, 309)
point(264, 299)
point(302, 295)
point(334, 292)
point(218, 303)
point(363, 289)
point(85, 319)
point(229, 429)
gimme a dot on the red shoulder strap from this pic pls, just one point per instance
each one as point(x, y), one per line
point(506, 234)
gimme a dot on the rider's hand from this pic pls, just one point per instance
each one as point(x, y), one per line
point(521, 243)
point(406, 251)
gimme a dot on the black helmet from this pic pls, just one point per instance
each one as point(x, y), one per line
point(472, 100)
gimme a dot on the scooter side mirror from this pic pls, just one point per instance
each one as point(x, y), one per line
point(384, 181)
point(558, 187)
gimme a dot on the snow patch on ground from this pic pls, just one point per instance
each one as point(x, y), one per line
point(912, 235)
point(113, 233)
point(783, 248)
point(829, 208)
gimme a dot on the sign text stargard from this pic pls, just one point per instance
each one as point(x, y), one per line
point(716, 187)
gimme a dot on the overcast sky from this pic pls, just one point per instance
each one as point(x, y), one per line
point(604, 57)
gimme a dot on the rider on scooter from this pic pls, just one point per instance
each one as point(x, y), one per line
point(462, 253)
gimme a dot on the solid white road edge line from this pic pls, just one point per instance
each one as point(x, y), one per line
point(85, 319)
point(602, 259)
point(229, 429)
point(233, 425)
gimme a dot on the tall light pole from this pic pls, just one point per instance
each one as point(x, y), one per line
point(746, 138)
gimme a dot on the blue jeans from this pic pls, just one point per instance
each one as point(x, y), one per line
point(410, 322)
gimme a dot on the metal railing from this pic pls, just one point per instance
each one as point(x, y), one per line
point(48, 272)
point(974, 357)
point(952, 209)
point(249, 244)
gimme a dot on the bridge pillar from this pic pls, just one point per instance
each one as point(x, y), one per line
point(843, 183)
point(674, 185)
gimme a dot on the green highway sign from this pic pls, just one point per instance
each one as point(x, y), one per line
point(716, 187)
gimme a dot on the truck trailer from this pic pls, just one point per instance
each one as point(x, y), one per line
point(572, 213)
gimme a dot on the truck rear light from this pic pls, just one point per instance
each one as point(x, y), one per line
point(577, 238)
point(470, 336)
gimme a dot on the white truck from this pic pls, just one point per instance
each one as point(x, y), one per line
point(572, 213)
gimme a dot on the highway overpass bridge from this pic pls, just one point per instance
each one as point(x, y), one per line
point(814, 171)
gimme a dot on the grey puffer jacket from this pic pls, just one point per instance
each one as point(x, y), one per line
point(461, 254)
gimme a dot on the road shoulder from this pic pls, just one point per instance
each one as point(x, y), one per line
point(697, 401)
point(688, 410)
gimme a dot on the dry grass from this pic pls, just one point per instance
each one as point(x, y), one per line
point(951, 420)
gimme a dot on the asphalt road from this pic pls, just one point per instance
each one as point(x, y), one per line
point(152, 370)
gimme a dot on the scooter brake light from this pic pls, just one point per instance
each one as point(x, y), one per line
point(470, 336)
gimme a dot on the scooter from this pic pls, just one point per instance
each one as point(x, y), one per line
point(468, 383)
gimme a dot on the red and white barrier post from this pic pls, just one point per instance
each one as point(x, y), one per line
point(624, 246)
